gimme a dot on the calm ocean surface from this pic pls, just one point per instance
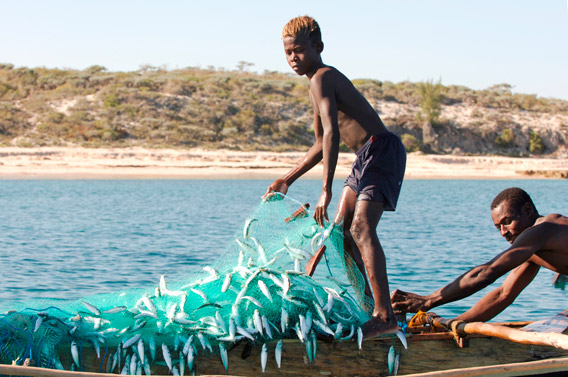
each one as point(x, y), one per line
point(68, 239)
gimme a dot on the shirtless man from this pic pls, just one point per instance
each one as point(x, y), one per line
point(536, 241)
point(341, 112)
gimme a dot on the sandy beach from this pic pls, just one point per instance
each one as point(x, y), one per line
point(138, 163)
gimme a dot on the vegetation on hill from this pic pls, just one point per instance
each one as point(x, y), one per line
point(212, 108)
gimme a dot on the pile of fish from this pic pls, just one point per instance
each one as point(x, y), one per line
point(260, 300)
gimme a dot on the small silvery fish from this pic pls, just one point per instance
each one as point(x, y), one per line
point(284, 320)
point(391, 357)
point(226, 282)
point(93, 309)
point(131, 341)
point(75, 354)
point(278, 353)
point(167, 355)
point(224, 356)
point(360, 337)
point(264, 290)
point(116, 309)
point(264, 357)
point(402, 338)
point(140, 348)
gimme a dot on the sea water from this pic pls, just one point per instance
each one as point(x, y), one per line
point(74, 238)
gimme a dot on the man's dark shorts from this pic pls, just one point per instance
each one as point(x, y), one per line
point(378, 170)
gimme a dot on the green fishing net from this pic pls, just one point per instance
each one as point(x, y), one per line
point(257, 292)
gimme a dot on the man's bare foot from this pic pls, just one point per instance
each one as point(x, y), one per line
point(377, 327)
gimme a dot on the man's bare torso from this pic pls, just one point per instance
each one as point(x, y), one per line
point(357, 120)
point(552, 235)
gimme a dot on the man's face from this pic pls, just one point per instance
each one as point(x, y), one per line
point(511, 223)
point(301, 54)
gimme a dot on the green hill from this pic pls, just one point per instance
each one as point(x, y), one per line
point(213, 109)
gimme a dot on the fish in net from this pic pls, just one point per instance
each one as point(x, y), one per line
point(257, 292)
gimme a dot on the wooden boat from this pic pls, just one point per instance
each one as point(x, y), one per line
point(430, 350)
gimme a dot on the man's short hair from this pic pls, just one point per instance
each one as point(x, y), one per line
point(516, 197)
point(303, 25)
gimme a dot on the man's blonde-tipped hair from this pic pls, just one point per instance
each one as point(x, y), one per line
point(303, 25)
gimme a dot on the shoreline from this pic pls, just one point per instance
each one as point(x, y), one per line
point(145, 163)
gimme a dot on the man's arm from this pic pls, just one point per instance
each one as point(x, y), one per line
point(310, 159)
point(475, 279)
point(499, 299)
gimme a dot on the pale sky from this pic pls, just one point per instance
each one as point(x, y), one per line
point(472, 43)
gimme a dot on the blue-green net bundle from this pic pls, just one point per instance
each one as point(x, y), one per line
point(256, 292)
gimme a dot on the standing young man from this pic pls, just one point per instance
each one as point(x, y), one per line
point(342, 113)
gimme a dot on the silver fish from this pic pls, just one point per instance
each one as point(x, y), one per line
point(133, 364)
point(181, 363)
point(257, 321)
point(245, 333)
point(320, 312)
point(391, 357)
point(299, 332)
point(191, 360)
point(38, 323)
point(167, 355)
point(254, 301)
point(97, 347)
point(232, 329)
point(360, 337)
point(131, 341)
point(264, 356)
point(224, 356)
point(338, 331)
point(278, 353)
point(92, 308)
point(309, 319)
point(303, 327)
point(200, 293)
point(264, 290)
point(149, 304)
point(402, 338)
point(284, 320)
point(310, 350)
point(204, 342)
point(175, 371)
point(396, 364)
point(140, 348)
point(314, 340)
point(266, 326)
point(226, 282)
point(75, 354)
point(260, 250)
point(188, 344)
point(323, 327)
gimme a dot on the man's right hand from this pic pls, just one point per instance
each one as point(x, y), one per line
point(408, 302)
point(277, 186)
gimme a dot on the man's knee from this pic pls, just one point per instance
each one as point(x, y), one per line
point(360, 231)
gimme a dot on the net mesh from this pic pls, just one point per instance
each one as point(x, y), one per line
point(257, 291)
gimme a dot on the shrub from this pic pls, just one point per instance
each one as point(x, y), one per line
point(535, 143)
point(411, 143)
point(430, 100)
point(505, 139)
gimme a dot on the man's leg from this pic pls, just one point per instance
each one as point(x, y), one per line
point(364, 231)
point(345, 210)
